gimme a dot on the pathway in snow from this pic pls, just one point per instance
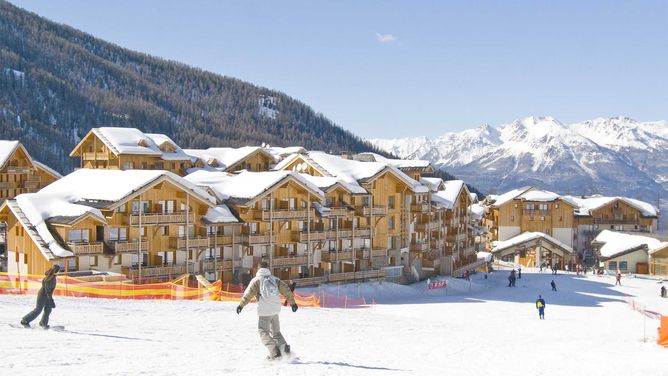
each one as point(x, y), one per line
point(481, 328)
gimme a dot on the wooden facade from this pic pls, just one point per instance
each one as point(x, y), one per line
point(20, 174)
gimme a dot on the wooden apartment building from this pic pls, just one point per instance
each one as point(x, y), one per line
point(19, 173)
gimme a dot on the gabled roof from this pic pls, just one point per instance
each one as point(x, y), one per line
point(82, 194)
point(588, 204)
point(435, 184)
point(616, 244)
point(328, 183)
point(450, 194)
point(220, 214)
point(7, 149)
point(47, 169)
point(501, 199)
point(247, 187)
point(228, 157)
point(527, 236)
point(132, 141)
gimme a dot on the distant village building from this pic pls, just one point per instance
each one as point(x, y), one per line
point(629, 253)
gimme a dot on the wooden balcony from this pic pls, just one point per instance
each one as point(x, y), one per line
point(92, 156)
point(96, 248)
point(18, 169)
point(367, 211)
point(258, 239)
point(428, 226)
point(149, 219)
point(195, 242)
point(9, 185)
point(363, 254)
point(219, 240)
point(457, 238)
point(419, 247)
point(422, 207)
point(288, 261)
point(338, 211)
point(125, 246)
point(279, 214)
point(342, 234)
point(154, 271)
point(376, 252)
point(211, 265)
point(344, 255)
point(31, 184)
point(303, 236)
point(363, 233)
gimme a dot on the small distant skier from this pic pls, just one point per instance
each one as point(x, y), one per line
point(663, 291)
point(266, 289)
point(541, 267)
point(44, 299)
point(519, 272)
point(618, 278)
point(511, 279)
point(540, 304)
point(554, 285)
point(555, 268)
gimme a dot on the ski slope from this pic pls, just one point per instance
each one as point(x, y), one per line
point(476, 328)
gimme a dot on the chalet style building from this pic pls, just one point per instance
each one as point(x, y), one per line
point(143, 207)
point(130, 149)
point(572, 221)
point(19, 173)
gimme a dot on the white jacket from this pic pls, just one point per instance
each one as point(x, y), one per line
point(266, 306)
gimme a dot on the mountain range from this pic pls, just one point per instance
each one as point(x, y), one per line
point(56, 83)
point(610, 156)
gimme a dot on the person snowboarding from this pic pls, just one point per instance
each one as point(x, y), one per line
point(266, 289)
point(44, 300)
point(540, 305)
point(618, 278)
point(554, 285)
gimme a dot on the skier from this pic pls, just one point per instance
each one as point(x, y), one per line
point(663, 291)
point(44, 300)
point(618, 278)
point(519, 273)
point(266, 288)
point(554, 285)
point(540, 304)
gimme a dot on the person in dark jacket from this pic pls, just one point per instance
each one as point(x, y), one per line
point(554, 285)
point(44, 299)
point(519, 273)
point(663, 291)
point(540, 304)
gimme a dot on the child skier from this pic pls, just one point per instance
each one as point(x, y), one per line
point(266, 288)
point(540, 304)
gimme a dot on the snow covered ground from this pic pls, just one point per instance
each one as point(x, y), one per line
point(481, 328)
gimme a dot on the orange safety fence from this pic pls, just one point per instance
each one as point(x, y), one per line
point(178, 289)
point(662, 337)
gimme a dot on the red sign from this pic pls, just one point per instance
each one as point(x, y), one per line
point(437, 285)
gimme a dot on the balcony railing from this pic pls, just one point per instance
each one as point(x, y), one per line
point(422, 207)
point(336, 256)
point(367, 211)
point(280, 214)
point(211, 265)
point(419, 246)
point(342, 233)
point(618, 220)
point(364, 254)
point(89, 156)
point(376, 252)
point(124, 246)
point(18, 169)
point(313, 236)
point(428, 226)
point(258, 238)
point(31, 184)
point(95, 248)
point(9, 185)
point(338, 211)
point(148, 219)
point(536, 212)
point(194, 242)
point(222, 240)
point(287, 261)
point(154, 271)
point(363, 233)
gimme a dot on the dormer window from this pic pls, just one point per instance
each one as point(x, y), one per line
point(142, 142)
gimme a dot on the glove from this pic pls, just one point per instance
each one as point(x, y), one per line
point(239, 308)
point(294, 307)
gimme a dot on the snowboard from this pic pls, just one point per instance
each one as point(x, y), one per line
point(53, 327)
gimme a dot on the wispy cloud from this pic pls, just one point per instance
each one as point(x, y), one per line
point(385, 38)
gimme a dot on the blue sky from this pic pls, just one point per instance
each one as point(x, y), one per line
point(407, 68)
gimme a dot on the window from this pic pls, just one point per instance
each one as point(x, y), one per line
point(390, 223)
point(118, 260)
point(78, 236)
point(92, 260)
point(166, 206)
point(191, 231)
point(328, 201)
point(128, 165)
point(165, 230)
point(121, 209)
point(168, 258)
point(265, 204)
point(623, 265)
point(543, 207)
point(390, 202)
point(144, 206)
point(389, 242)
point(303, 204)
point(529, 206)
point(142, 231)
point(292, 203)
point(612, 265)
point(118, 233)
point(556, 206)
point(253, 227)
point(512, 218)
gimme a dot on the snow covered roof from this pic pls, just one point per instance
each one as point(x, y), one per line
point(220, 214)
point(434, 184)
point(83, 193)
point(448, 197)
point(227, 157)
point(325, 183)
point(499, 200)
point(478, 210)
point(544, 196)
point(616, 244)
point(527, 236)
point(487, 256)
point(399, 163)
point(127, 141)
point(282, 152)
point(7, 149)
point(175, 154)
point(587, 204)
point(47, 169)
point(246, 185)
point(352, 171)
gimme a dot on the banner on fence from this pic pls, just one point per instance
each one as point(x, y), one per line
point(438, 285)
